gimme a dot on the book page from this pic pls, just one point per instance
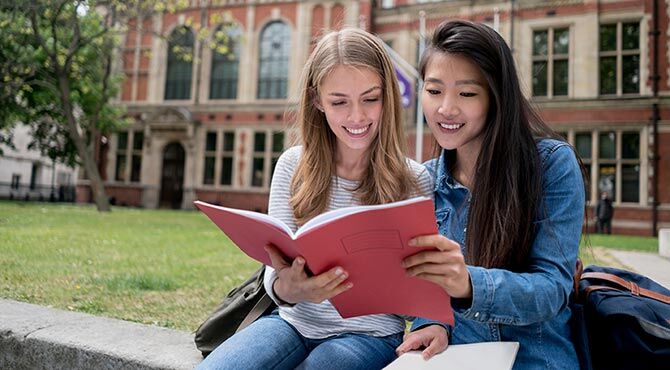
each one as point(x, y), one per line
point(335, 214)
point(261, 217)
point(474, 356)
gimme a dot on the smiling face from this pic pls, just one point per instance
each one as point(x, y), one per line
point(456, 102)
point(351, 99)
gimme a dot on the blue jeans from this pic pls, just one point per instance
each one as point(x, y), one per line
point(272, 343)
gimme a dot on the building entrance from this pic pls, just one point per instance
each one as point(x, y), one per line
point(172, 179)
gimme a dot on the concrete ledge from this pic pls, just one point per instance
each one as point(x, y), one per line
point(36, 337)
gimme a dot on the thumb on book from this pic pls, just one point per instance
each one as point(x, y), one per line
point(277, 259)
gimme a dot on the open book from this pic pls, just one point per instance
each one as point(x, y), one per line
point(474, 356)
point(369, 242)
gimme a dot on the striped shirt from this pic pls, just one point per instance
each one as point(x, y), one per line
point(321, 320)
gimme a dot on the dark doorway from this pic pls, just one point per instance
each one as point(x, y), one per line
point(172, 180)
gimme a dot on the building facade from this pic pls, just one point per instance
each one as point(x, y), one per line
point(597, 71)
point(25, 174)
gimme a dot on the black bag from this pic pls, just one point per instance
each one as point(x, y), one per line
point(621, 320)
point(241, 307)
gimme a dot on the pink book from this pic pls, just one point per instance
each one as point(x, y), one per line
point(369, 242)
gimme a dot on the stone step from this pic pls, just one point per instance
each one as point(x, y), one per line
point(36, 337)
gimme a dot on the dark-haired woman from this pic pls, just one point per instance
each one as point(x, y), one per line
point(509, 197)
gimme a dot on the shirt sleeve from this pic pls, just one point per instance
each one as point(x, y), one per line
point(279, 207)
point(505, 297)
point(424, 180)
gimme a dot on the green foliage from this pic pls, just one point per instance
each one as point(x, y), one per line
point(51, 48)
point(44, 43)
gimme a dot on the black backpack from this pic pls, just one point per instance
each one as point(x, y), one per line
point(621, 320)
point(242, 306)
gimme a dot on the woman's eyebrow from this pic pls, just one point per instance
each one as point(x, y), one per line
point(363, 93)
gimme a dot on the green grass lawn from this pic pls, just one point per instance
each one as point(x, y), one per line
point(167, 268)
point(594, 247)
point(623, 242)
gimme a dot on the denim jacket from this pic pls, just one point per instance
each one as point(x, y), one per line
point(530, 307)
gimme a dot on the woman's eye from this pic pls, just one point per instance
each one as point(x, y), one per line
point(433, 92)
point(371, 100)
point(336, 103)
point(468, 94)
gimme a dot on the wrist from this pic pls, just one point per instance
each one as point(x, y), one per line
point(279, 294)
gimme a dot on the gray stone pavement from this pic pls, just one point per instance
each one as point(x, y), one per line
point(651, 265)
point(36, 337)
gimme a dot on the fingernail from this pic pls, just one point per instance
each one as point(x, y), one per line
point(338, 271)
point(350, 285)
point(300, 260)
point(412, 242)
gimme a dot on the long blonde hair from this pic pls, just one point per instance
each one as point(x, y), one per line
point(388, 177)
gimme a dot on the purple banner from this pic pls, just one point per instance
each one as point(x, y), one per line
point(405, 88)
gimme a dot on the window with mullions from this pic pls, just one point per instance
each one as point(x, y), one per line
point(268, 147)
point(121, 156)
point(225, 65)
point(550, 62)
point(129, 157)
point(136, 153)
point(583, 146)
point(275, 42)
point(620, 58)
point(258, 161)
point(613, 157)
point(210, 158)
point(179, 64)
point(227, 158)
point(277, 149)
point(16, 181)
point(216, 157)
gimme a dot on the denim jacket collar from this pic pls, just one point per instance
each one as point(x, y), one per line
point(443, 178)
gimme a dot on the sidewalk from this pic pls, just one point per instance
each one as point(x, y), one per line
point(36, 337)
point(651, 265)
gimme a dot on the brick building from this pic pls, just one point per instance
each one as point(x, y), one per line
point(598, 71)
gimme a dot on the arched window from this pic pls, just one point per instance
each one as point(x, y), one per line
point(225, 63)
point(275, 43)
point(179, 64)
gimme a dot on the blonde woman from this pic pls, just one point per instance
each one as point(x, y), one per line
point(352, 152)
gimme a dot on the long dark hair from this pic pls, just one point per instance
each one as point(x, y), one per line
point(507, 189)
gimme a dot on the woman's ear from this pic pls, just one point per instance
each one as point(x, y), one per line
point(314, 97)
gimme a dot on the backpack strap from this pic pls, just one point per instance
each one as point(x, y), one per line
point(622, 283)
point(257, 311)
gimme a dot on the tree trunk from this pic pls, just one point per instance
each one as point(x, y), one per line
point(87, 158)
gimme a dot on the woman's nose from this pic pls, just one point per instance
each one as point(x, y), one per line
point(357, 114)
point(448, 107)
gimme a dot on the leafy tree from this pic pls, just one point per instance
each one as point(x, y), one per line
point(57, 72)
